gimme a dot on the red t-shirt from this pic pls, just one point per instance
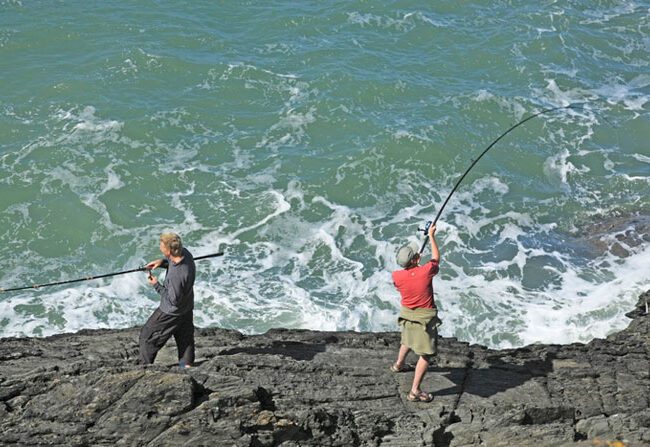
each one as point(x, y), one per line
point(415, 285)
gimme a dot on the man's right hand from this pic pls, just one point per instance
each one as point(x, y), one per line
point(153, 264)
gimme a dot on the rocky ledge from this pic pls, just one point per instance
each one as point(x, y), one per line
point(305, 388)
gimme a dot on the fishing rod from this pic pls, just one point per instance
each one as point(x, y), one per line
point(89, 278)
point(429, 223)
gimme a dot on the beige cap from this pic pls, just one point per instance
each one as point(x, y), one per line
point(406, 254)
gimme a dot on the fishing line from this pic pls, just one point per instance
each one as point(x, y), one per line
point(89, 278)
point(429, 223)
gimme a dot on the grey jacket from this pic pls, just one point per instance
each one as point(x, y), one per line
point(177, 293)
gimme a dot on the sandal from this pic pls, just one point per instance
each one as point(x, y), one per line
point(397, 369)
point(419, 397)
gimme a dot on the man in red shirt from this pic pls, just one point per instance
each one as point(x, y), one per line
point(418, 317)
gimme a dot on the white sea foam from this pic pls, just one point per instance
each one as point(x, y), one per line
point(494, 294)
point(558, 168)
point(113, 180)
point(98, 304)
point(85, 123)
point(309, 275)
point(405, 23)
point(601, 16)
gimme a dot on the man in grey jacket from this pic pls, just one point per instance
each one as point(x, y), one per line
point(175, 314)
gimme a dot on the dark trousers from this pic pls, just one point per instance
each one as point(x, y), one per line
point(159, 328)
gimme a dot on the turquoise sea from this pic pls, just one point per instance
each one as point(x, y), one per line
point(309, 140)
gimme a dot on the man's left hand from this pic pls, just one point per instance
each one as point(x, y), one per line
point(152, 279)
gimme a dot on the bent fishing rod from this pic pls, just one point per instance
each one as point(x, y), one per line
point(89, 278)
point(429, 223)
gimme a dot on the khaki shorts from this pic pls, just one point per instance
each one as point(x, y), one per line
point(421, 339)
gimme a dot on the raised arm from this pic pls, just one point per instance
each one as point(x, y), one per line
point(435, 253)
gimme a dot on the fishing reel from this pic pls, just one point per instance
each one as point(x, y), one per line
point(425, 230)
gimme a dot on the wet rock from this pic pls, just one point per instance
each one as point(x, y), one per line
point(305, 388)
point(618, 235)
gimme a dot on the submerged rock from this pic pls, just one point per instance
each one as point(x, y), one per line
point(616, 235)
point(307, 388)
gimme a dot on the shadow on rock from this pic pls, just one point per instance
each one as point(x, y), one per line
point(496, 377)
point(294, 349)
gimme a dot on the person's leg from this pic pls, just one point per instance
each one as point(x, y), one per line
point(401, 357)
point(416, 394)
point(153, 336)
point(420, 369)
point(184, 336)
